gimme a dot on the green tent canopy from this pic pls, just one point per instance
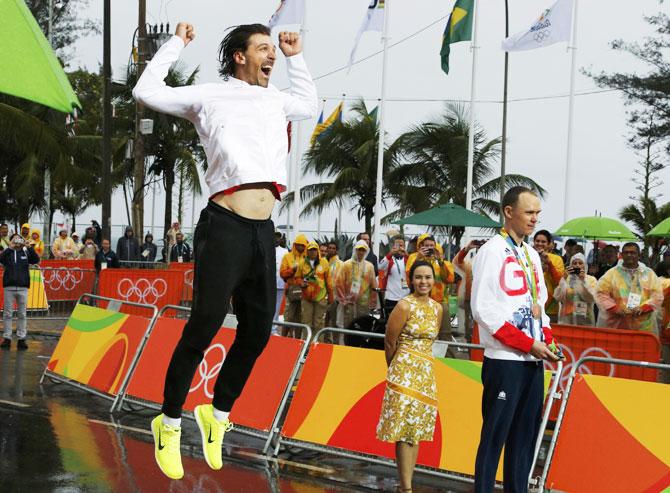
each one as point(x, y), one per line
point(29, 68)
point(450, 215)
point(596, 228)
point(662, 229)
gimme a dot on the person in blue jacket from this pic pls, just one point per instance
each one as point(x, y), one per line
point(16, 261)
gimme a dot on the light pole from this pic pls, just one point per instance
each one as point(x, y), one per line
point(106, 123)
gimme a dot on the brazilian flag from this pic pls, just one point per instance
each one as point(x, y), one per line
point(459, 28)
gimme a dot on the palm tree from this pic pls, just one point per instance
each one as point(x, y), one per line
point(644, 216)
point(347, 155)
point(432, 168)
point(174, 143)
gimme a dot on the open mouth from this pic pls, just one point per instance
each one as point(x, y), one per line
point(266, 69)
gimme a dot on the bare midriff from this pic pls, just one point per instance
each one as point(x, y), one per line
point(251, 200)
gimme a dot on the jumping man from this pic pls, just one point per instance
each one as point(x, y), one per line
point(242, 123)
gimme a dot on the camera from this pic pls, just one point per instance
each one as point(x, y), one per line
point(431, 251)
point(574, 271)
point(19, 241)
point(478, 243)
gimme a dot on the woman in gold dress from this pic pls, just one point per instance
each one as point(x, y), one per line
point(409, 409)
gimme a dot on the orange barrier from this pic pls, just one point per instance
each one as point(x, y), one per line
point(97, 347)
point(256, 407)
point(69, 264)
point(67, 283)
point(338, 402)
point(578, 342)
point(152, 287)
point(183, 266)
point(611, 438)
point(187, 288)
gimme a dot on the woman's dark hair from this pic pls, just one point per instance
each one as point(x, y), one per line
point(416, 265)
point(237, 40)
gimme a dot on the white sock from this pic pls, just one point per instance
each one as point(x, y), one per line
point(174, 422)
point(220, 415)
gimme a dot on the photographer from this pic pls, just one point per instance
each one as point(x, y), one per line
point(392, 274)
point(427, 249)
point(16, 261)
point(576, 294)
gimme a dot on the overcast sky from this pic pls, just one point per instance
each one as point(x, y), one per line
point(537, 129)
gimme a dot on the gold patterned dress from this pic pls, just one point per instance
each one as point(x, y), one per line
point(409, 408)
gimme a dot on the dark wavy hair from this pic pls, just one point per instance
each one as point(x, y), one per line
point(237, 40)
point(416, 265)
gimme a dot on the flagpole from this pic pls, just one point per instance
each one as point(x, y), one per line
point(571, 107)
point(504, 123)
point(380, 151)
point(471, 132)
point(295, 222)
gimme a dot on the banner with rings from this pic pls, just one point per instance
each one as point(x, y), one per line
point(612, 438)
point(67, 283)
point(151, 287)
point(262, 395)
point(97, 347)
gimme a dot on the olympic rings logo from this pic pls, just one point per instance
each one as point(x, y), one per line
point(541, 35)
point(206, 373)
point(570, 361)
point(62, 278)
point(142, 290)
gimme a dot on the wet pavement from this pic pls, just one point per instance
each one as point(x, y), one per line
point(54, 437)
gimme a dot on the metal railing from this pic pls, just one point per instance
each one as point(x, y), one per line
point(112, 305)
point(552, 396)
point(123, 397)
point(561, 413)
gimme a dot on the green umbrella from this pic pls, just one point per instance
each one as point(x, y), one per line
point(661, 229)
point(29, 68)
point(596, 228)
point(450, 215)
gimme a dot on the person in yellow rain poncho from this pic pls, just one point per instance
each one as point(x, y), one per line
point(37, 243)
point(629, 295)
point(317, 287)
point(427, 249)
point(293, 289)
point(354, 286)
point(25, 232)
point(552, 267)
point(576, 294)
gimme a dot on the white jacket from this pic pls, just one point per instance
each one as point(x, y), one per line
point(242, 127)
point(501, 301)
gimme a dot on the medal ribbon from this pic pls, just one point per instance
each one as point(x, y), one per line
point(530, 276)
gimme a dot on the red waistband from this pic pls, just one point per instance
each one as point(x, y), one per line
point(276, 190)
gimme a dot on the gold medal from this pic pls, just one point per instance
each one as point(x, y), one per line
point(536, 310)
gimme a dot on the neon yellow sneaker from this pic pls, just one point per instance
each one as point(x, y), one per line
point(212, 431)
point(166, 450)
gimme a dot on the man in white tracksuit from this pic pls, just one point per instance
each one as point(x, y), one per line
point(508, 298)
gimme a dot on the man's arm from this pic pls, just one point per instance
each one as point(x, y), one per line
point(151, 89)
point(301, 102)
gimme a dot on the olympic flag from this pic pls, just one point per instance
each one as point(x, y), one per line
point(288, 12)
point(373, 21)
point(553, 26)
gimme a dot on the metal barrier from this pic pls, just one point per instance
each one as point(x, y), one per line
point(552, 396)
point(561, 413)
point(111, 305)
point(142, 264)
point(124, 398)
